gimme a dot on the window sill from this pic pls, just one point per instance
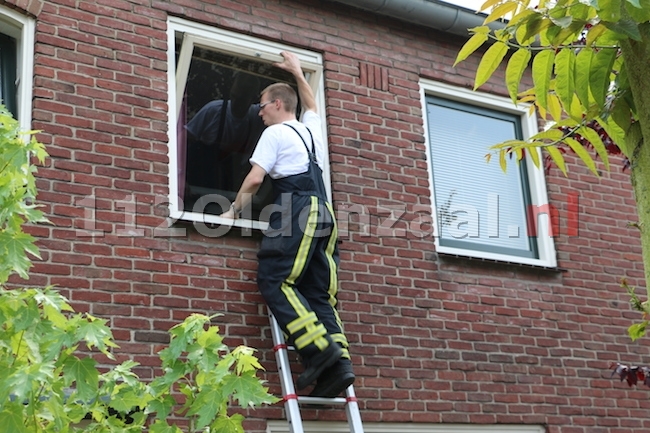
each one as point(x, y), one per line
point(483, 260)
point(214, 220)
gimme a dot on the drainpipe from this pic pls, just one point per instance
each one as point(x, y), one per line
point(436, 14)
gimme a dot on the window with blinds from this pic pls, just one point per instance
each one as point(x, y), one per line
point(480, 210)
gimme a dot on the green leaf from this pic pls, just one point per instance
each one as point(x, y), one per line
point(621, 113)
point(95, 333)
point(522, 17)
point(84, 373)
point(549, 134)
point(582, 153)
point(554, 107)
point(246, 360)
point(599, 74)
point(563, 22)
point(593, 138)
point(225, 424)
point(160, 426)
point(28, 377)
point(569, 34)
point(609, 10)
point(501, 11)
point(488, 4)
point(626, 28)
point(640, 14)
point(15, 246)
point(575, 110)
point(615, 133)
point(503, 163)
point(126, 398)
point(637, 330)
point(534, 155)
point(489, 63)
point(582, 68)
point(634, 3)
point(594, 33)
point(565, 62)
point(161, 406)
point(470, 46)
point(12, 418)
point(557, 158)
point(515, 70)
point(247, 390)
point(542, 69)
point(206, 405)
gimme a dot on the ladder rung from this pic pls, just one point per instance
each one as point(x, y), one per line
point(292, 401)
point(322, 400)
point(284, 346)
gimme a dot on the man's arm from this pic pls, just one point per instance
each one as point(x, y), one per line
point(291, 64)
point(248, 188)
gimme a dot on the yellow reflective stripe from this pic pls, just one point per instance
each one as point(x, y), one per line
point(305, 243)
point(340, 338)
point(334, 284)
point(300, 261)
point(329, 253)
point(302, 322)
point(312, 336)
point(290, 294)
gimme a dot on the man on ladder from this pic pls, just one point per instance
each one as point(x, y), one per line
point(298, 258)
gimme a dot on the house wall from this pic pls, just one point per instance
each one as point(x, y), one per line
point(435, 339)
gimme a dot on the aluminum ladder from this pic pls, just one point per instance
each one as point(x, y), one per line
point(293, 401)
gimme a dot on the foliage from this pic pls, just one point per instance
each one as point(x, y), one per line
point(50, 380)
point(588, 61)
point(199, 366)
point(580, 81)
point(17, 194)
point(45, 386)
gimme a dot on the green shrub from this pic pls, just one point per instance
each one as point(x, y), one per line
point(49, 380)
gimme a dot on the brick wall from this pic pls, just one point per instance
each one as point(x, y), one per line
point(434, 338)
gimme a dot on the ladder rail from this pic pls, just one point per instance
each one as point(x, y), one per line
point(289, 395)
point(292, 400)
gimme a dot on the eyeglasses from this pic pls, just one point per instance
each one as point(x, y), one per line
point(266, 103)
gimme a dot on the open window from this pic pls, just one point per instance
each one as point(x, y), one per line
point(16, 64)
point(215, 88)
point(479, 210)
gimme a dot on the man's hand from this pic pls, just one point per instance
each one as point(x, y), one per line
point(291, 63)
point(230, 213)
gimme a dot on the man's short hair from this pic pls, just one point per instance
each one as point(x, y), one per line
point(285, 93)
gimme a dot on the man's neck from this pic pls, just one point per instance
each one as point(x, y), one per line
point(287, 118)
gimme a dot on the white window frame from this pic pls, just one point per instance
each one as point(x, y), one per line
point(21, 28)
point(240, 46)
point(536, 178)
point(340, 427)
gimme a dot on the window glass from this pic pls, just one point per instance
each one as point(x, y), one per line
point(216, 77)
point(8, 72)
point(478, 209)
point(17, 64)
point(219, 126)
point(479, 206)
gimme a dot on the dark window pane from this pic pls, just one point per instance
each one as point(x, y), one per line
point(219, 127)
point(8, 65)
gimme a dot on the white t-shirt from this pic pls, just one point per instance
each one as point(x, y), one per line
point(281, 153)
